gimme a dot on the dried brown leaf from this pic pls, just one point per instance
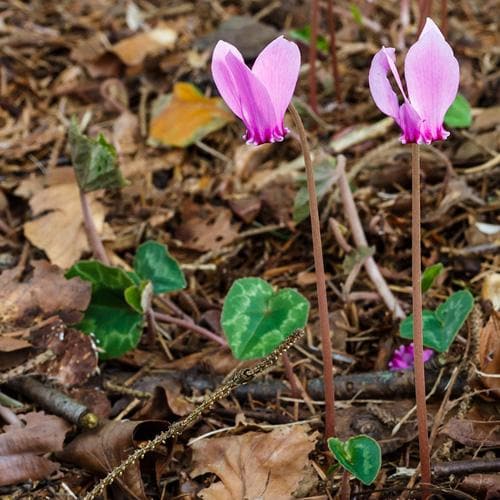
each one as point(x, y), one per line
point(21, 447)
point(268, 466)
point(46, 294)
point(489, 352)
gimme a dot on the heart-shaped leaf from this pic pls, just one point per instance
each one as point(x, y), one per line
point(115, 315)
point(153, 262)
point(441, 326)
point(360, 455)
point(459, 113)
point(430, 274)
point(256, 319)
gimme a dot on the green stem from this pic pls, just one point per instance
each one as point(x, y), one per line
point(319, 269)
point(418, 337)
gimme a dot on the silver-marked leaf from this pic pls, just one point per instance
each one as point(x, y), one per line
point(256, 319)
point(440, 327)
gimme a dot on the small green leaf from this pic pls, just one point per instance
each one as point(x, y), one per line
point(324, 178)
point(459, 113)
point(115, 327)
point(359, 455)
point(101, 276)
point(256, 319)
point(356, 14)
point(153, 262)
point(115, 315)
point(441, 326)
point(304, 35)
point(430, 274)
point(94, 160)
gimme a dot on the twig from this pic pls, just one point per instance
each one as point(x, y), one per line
point(91, 231)
point(9, 416)
point(313, 54)
point(360, 241)
point(444, 17)
point(295, 391)
point(418, 337)
point(55, 401)
point(240, 377)
point(26, 367)
point(319, 268)
point(189, 325)
point(465, 467)
point(333, 50)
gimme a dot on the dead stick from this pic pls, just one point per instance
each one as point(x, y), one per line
point(360, 241)
point(91, 231)
point(26, 367)
point(319, 269)
point(465, 467)
point(55, 401)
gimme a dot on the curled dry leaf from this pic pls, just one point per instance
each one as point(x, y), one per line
point(103, 449)
point(268, 466)
point(47, 293)
point(133, 50)
point(59, 230)
point(22, 447)
point(489, 352)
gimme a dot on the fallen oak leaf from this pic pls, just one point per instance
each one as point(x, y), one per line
point(186, 116)
point(59, 231)
point(21, 447)
point(47, 293)
point(101, 450)
point(268, 466)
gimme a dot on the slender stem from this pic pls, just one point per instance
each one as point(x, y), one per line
point(287, 365)
point(418, 337)
point(344, 486)
point(91, 231)
point(189, 325)
point(425, 12)
point(319, 268)
point(313, 54)
point(333, 50)
point(444, 17)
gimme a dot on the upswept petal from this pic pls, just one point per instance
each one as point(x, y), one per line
point(224, 80)
point(277, 67)
point(380, 87)
point(410, 124)
point(432, 77)
point(257, 111)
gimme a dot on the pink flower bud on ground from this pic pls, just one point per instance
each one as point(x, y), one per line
point(404, 357)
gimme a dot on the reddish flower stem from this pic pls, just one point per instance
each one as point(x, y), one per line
point(91, 231)
point(418, 337)
point(287, 365)
point(444, 17)
point(425, 12)
point(319, 269)
point(313, 55)
point(344, 486)
point(333, 50)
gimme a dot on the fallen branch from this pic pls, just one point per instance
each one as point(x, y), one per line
point(465, 467)
point(360, 241)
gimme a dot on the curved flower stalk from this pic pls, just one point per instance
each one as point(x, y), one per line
point(432, 77)
point(259, 96)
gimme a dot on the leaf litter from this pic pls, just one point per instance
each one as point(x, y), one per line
point(216, 205)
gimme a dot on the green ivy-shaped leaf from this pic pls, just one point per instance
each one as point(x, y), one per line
point(256, 319)
point(153, 262)
point(359, 455)
point(441, 326)
point(459, 114)
point(115, 315)
point(430, 274)
point(94, 160)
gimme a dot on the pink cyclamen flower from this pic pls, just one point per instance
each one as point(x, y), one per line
point(432, 77)
point(404, 357)
point(259, 96)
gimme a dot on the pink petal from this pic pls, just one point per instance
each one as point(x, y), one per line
point(277, 67)
point(410, 123)
point(257, 110)
point(380, 87)
point(223, 78)
point(432, 76)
